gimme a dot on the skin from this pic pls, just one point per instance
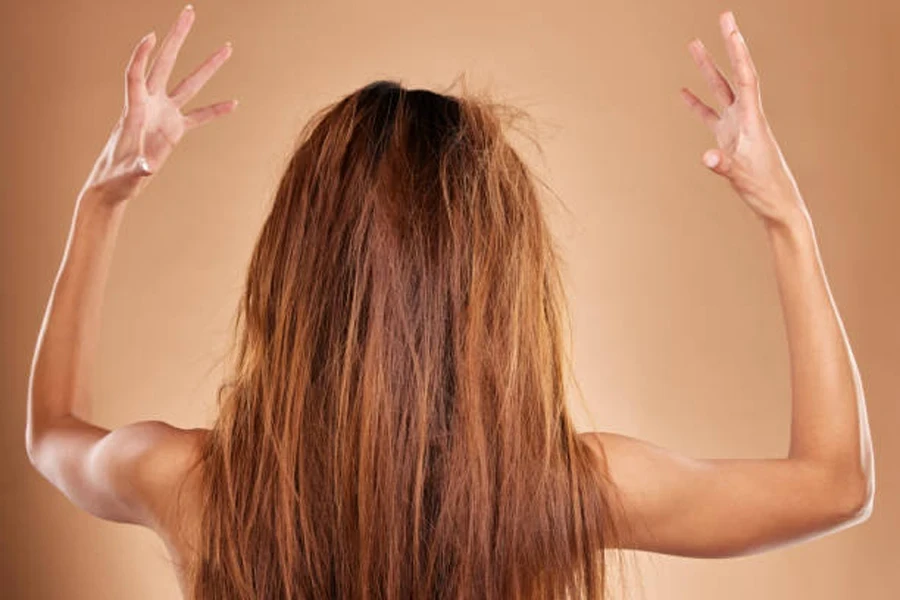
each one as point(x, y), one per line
point(728, 507)
point(678, 504)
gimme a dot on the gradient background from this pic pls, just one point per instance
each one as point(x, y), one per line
point(678, 331)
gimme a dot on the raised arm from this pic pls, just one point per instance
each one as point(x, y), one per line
point(110, 473)
point(724, 507)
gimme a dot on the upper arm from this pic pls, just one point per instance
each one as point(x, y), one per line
point(119, 475)
point(673, 504)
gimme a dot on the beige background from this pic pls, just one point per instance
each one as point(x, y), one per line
point(678, 332)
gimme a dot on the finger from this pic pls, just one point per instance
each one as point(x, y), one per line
point(742, 66)
point(135, 88)
point(168, 50)
point(717, 82)
point(141, 167)
point(717, 161)
point(192, 84)
point(699, 108)
point(202, 115)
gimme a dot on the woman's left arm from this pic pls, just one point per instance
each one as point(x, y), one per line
point(109, 473)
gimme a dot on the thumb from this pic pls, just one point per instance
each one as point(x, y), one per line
point(141, 167)
point(717, 161)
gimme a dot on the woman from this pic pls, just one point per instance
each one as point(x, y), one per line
point(395, 425)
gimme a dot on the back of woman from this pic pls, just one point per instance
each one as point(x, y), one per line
point(396, 425)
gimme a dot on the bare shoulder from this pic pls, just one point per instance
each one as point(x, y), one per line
point(165, 478)
point(169, 481)
point(599, 443)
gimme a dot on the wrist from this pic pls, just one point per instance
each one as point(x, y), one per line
point(790, 218)
point(100, 199)
point(794, 229)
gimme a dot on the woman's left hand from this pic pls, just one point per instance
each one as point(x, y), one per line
point(152, 121)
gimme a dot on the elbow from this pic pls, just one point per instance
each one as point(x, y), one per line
point(35, 433)
point(31, 446)
point(855, 499)
point(33, 439)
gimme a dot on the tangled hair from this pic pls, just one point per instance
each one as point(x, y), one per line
point(395, 425)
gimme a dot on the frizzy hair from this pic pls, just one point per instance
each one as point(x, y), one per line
point(395, 423)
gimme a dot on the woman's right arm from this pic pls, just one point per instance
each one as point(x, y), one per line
point(724, 507)
point(727, 507)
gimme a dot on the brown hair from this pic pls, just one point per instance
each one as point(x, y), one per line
point(396, 423)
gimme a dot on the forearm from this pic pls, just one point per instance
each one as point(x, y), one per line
point(60, 379)
point(829, 424)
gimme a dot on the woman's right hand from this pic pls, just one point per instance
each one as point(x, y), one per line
point(672, 503)
point(747, 153)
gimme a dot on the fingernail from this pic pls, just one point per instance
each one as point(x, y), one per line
point(729, 20)
point(710, 159)
point(188, 7)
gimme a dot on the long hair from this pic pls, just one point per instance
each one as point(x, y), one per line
point(395, 425)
